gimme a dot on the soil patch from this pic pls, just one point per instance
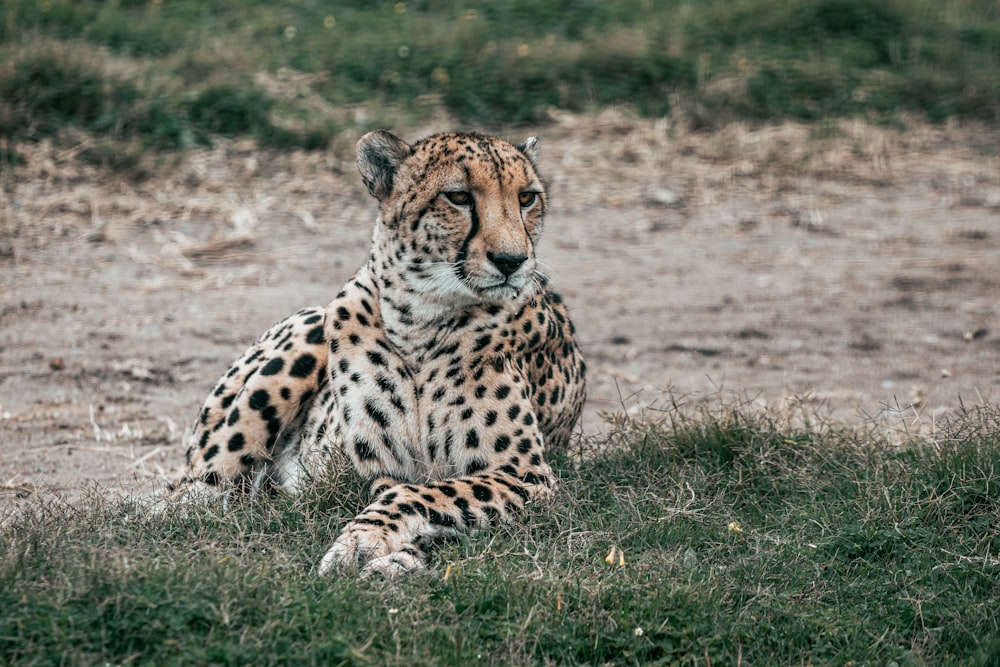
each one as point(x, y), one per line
point(851, 276)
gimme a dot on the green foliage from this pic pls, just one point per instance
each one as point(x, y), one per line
point(170, 73)
point(44, 90)
point(741, 538)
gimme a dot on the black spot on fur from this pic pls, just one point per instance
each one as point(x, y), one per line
point(468, 518)
point(472, 440)
point(303, 366)
point(364, 450)
point(385, 384)
point(273, 367)
point(236, 443)
point(474, 466)
point(370, 522)
point(259, 399)
point(438, 519)
point(447, 351)
point(315, 336)
point(376, 413)
point(482, 342)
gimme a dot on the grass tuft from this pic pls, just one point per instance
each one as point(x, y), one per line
point(719, 535)
point(186, 71)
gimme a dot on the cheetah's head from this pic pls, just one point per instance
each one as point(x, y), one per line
point(460, 214)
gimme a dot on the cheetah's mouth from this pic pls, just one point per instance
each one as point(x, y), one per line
point(504, 290)
point(447, 283)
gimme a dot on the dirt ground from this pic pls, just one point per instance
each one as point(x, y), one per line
point(850, 274)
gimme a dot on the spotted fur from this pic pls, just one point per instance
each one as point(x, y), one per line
point(445, 368)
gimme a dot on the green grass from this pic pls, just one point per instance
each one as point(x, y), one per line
point(743, 540)
point(174, 73)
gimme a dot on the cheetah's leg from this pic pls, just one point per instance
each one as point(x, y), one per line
point(249, 430)
point(386, 538)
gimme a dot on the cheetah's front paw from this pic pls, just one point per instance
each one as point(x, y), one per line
point(407, 560)
point(358, 544)
point(373, 548)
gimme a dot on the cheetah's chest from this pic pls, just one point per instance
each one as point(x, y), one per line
point(427, 420)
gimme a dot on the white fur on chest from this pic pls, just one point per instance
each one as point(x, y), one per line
point(419, 425)
point(427, 413)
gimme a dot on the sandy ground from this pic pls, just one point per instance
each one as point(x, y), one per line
point(852, 275)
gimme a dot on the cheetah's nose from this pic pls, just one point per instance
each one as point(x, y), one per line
point(507, 263)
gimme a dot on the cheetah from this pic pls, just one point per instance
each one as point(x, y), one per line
point(445, 369)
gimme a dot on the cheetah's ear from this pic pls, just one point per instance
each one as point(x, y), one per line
point(530, 149)
point(379, 155)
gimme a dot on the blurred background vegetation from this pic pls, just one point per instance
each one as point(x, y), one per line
point(174, 73)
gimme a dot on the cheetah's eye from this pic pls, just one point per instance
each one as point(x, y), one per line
point(459, 198)
point(527, 198)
